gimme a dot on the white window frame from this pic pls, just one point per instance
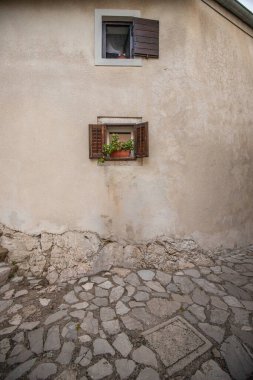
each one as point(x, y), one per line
point(120, 13)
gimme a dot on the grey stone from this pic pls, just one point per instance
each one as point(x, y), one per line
point(130, 290)
point(44, 301)
point(144, 355)
point(85, 279)
point(210, 371)
point(19, 337)
point(133, 304)
point(4, 274)
point(192, 273)
point(232, 301)
point(13, 309)
point(97, 279)
point(200, 297)
point(237, 292)
point(66, 353)
point(184, 284)
point(80, 305)
point(68, 374)
point(190, 318)
point(141, 296)
point(213, 278)
point(208, 286)
point(106, 285)
point(35, 338)
point(238, 360)
point(86, 296)
point(100, 301)
point(52, 342)
point(172, 288)
point(133, 279)
point(141, 314)
point(148, 374)
point(198, 311)
point(241, 316)
point(217, 302)
point(102, 347)
point(56, 317)
point(155, 285)
point(77, 314)
point(121, 308)
point(218, 316)
point(15, 320)
point(7, 330)
point(107, 314)
point(5, 305)
point(99, 292)
point(88, 286)
point(21, 293)
point(162, 307)
point(215, 332)
point(111, 327)
point(19, 371)
point(70, 297)
point(248, 305)
point(116, 294)
point(146, 275)
point(125, 367)
point(84, 338)
point(183, 299)
point(43, 371)
point(90, 324)
point(100, 370)
point(69, 331)
point(118, 280)
point(85, 356)
point(163, 278)
point(123, 344)
point(131, 323)
point(29, 325)
point(244, 335)
point(19, 355)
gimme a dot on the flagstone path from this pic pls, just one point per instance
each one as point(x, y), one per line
point(105, 326)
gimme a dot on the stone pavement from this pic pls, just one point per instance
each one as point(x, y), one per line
point(147, 325)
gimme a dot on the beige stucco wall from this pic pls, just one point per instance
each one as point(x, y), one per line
point(197, 99)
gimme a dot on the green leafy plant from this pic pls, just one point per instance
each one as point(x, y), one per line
point(114, 146)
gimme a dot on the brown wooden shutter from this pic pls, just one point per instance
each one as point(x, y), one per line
point(145, 37)
point(97, 138)
point(141, 139)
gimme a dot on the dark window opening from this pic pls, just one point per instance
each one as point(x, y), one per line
point(117, 40)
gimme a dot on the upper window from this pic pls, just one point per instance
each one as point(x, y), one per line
point(121, 37)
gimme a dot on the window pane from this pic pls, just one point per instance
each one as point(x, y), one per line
point(117, 41)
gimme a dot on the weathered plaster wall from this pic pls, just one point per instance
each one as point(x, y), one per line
point(197, 98)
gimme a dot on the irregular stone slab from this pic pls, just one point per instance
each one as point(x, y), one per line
point(116, 294)
point(246, 336)
point(198, 311)
point(232, 301)
point(163, 278)
point(29, 325)
point(182, 299)
point(125, 367)
point(239, 362)
point(43, 371)
point(44, 301)
point(118, 280)
point(172, 288)
point(85, 279)
point(80, 305)
point(84, 357)
point(131, 323)
point(8, 295)
point(15, 320)
point(88, 286)
point(141, 314)
point(84, 338)
point(14, 308)
point(111, 327)
point(69, 331)
point(106, 285)
point(100, 301)
point(192, 273)
point(218, 316)
point(68, 374)
point(241, 317)
point(248, 305)
point(144, 355)
point(184, 284)
point(154, 285)
point(133, 279)
point(146, 275)
point(130, 290)
point(133, 304)
point(148, 374)
point(208, 286)
point(77, 314)
point(107, 314)
point(19, 337)
point(162, 307)
point(200, 297)
point(4, 346)
point(123, 344)
point(52, 342)
point(70, 297)
point(215, 332)
point(177, 343)
point(217, 302)
point(97, 279)
point(19, 371)
point(99, 292)
point(21, 293)
point(35, 338)
point(5, 305)
point(100, 370)
point(210, 371)
point(7, 330)
point(4, 274)
point(237, 292)
point(19, 355)
point(141, 296)
point(102, 347)
point(121, 308)
point(66, 353)
point(90, 324)
point(86, 296)
point(55, 317)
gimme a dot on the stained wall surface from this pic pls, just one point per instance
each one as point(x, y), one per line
point(197, 98)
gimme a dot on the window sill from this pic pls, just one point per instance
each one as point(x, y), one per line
point(122, 162)
point(137, 62)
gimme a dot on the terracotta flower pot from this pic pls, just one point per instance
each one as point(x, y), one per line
point(120, 154)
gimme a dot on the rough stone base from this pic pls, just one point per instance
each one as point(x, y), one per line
point(60, 257)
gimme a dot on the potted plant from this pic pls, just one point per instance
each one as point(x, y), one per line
point(118, 149)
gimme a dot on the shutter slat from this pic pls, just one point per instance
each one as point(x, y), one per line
point(97, 138)
point(145, 32)
point(141, 139)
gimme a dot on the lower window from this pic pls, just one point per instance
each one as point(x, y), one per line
point(118, 141)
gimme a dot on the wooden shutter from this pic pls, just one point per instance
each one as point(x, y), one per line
point(97, 138)
point(141, 139)
point(145, 37)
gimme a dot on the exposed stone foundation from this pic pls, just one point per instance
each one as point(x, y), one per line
point(60, 257)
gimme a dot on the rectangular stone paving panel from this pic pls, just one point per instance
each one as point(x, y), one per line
point(177, 343)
